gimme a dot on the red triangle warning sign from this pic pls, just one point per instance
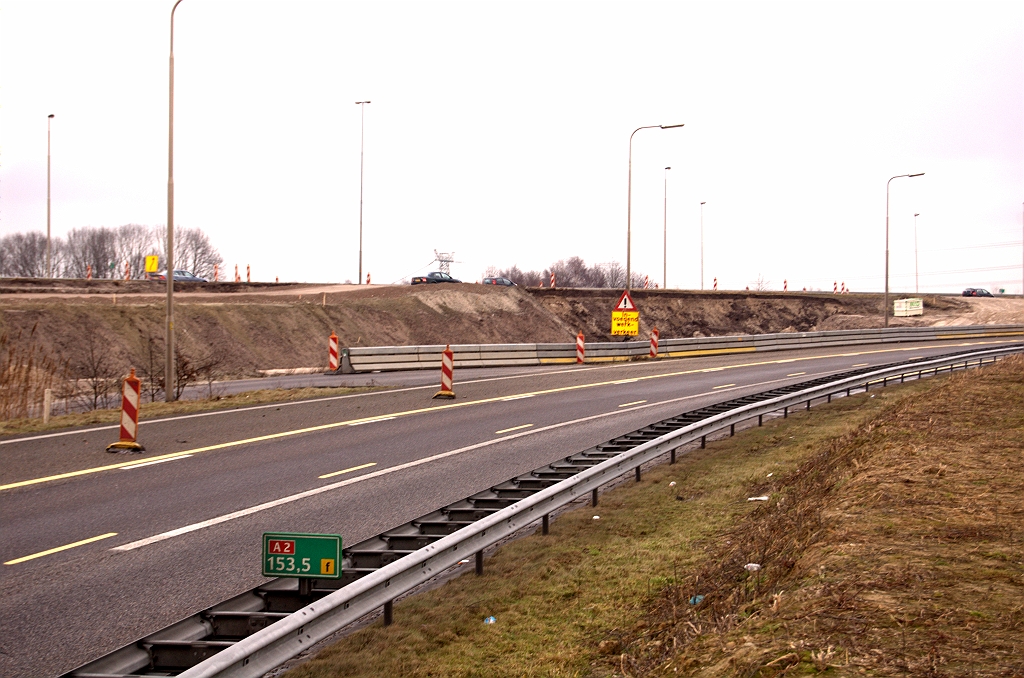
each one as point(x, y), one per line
point(625, 303)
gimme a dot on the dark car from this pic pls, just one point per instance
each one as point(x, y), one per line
point(499, 281)
point(976, 292)
point(434, 277)
point(179, 276)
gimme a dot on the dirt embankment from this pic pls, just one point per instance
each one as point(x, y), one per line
point(247, 328)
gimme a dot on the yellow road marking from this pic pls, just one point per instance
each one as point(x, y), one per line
point(795, 374)
point(466, 403)
point(862, 364)
point(514, 428)
point(724, 386)
point(60, 548)
point(348, 470)
point(635, 402)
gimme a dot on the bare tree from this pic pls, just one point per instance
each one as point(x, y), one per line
point(24, 255)
point(134, 243)
point(193, 251)
point(95, 366)
point(762, 285)
point(95, 247)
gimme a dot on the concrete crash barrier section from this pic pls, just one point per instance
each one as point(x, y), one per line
point(389, 358)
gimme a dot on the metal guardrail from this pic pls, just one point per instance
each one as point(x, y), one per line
point(387, 358)
point(280, 641)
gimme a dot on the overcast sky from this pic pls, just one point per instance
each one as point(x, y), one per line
point(500, 131)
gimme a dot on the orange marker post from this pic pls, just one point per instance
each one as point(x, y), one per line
point(131, 398)
point(654, 342)
point(333, 352)
point(580, 349)
point(447, 367)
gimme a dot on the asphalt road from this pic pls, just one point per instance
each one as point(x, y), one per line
point(99, 549)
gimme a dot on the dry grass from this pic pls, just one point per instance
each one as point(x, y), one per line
point(26, 371)
point(878, 549)
point(162, 409)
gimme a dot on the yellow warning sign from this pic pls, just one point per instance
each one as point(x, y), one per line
point(626, 323)
point(327, 566)
point(152, 263)
point(625, 317)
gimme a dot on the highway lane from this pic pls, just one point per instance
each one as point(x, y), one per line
point(180, 574)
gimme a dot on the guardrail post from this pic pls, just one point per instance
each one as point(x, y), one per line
point(672, 456)
point(808, 404)
point(760, 419)
point(593, 497)
point(637, 474)
point(785, 412)
point(545, 524)
point(389, 613)
point(829, 397)
point(479, 562)
point(703, 442)
point(732, 430)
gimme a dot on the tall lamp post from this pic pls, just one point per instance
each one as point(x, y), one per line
point(702, 246)
point(629, 202)
point(362, 120)
point(916, 287)
point(886, 300)
point(664, 236)
point(49, 269)
point(169, 379)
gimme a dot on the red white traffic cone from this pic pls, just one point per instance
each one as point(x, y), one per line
point(333, 352)
point(131, 398)
point(447, 367)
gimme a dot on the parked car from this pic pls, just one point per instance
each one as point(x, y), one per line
point(434, 277)
point(976, 292)
point(179, 276)
point(499, 281)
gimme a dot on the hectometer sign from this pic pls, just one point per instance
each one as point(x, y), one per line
point(301, 555)
point(625, 317)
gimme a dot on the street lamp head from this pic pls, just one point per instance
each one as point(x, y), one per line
point(670, 126)
point(50, 115)
point(668, 168)
point(917, 214)
point(362, 102)
point(919, 174)
point(702, 203)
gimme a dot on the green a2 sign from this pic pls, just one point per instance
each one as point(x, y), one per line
point(314, 556)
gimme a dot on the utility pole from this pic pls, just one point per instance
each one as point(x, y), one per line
point(362, 124)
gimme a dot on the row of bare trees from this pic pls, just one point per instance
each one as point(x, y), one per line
point(106, 250)
point(571, 272)
point(90, 377)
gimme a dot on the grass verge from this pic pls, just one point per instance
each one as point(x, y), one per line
point(163, 409)
point(890, 545)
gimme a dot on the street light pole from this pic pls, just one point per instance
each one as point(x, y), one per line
point(916, 288)
point(49, 269)
point(169, 379)
point(702, 246)
point(629, 203)
point(362, 119)
point(664, 236)
point(886, 299)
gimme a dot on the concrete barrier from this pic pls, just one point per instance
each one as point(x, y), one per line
point(388, 358)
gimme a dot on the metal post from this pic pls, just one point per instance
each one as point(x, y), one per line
point(759, 419)
point(593, 497)
point(305, 587)
point(917, 289)
point(702, 246)
point(479, 563)
point(637, 470)
point(362, 119)
point(672, 456)
point(545, 524)
point(629, 204)
point(732, 430)
point(808, 405)
point(785, 412)
point(169, 379)
point(703, 442)
point(664, 236)
point(49, 268)
point(886, 298)
point(389, 613)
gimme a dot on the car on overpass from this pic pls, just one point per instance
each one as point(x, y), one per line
point(179, 276)
point(434, 277)
point(499, 281)
point(976, 292)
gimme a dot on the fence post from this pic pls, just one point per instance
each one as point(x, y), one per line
point(47, 405)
